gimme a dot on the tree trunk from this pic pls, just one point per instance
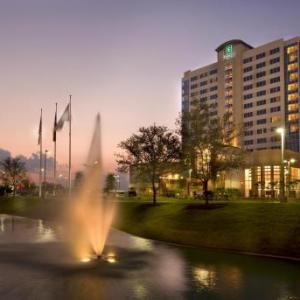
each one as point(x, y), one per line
point(153, 190)
point(205, 187)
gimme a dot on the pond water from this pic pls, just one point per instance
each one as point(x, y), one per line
point(36, 264)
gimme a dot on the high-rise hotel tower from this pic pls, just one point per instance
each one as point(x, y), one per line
point(258, 87)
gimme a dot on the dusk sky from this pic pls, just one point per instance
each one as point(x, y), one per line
point(122, 58)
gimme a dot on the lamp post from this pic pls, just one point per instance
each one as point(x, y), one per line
point(281, 131)
point(189, 181)
point(289, 162)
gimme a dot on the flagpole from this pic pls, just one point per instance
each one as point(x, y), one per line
point(41, 153)
point(70, 145)
point(54, 167)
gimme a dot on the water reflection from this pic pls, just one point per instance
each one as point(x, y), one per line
point(2, 222)
point(132, 268)
point(205, 278)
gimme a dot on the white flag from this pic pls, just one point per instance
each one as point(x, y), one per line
point(64, 118)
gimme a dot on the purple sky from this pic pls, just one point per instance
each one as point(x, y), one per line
point(122, 58)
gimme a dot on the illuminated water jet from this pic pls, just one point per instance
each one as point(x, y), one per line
point(90, 214)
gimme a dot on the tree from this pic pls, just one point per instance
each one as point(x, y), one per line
point(13, 172)
point(150, 152)
point(78, 178)
point(110, 182)
point(207, 143)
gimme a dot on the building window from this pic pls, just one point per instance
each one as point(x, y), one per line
point(292, 87)
point(203, 83)
point(293, 117)
point(261, 121)
point(203, 91)
point(274, 60)
point(212, 72)
point(248, 87)
point(248, 142)
point(261, 83)
point(247, 60)
point(261, 140)
point(247, 78)
point(194, 78)
point(293, 107)
point(293, 77)
point(261, 74)
point(248, 96)
point(261, 102)
point(275, 70)
point(203, 99)
point(293, 97)
point(275, 109)
point(274, 50)
point(248, 114)
point(214, 96)
point(203, 75)
point(292, 67)
point(275, 119)
point(261, 93)
point(248, 105)
point(261, 130)
point(261, 112)
point(248, 124)
point(260, 65)
point(193, 86)
point(248, 69)
point(247, 133)
point(275, 89)
point(274, 80)
point(213, 88)
point(275, 99)
point(294, 127)
point(260, 55)
point(275, 138)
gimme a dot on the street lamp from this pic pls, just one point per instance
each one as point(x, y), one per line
point(281, 131)
point(189, 181)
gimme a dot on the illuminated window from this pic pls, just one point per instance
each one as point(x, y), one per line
point(275, 119)
point(294, 128)
point(292, 67)
point(248, 181)
point(292, 97)
point(276, 173)
point(292, 49)
point(293, 117)
point(293, 107)
point(292, 87)
point(292, 57)
point(293, 77)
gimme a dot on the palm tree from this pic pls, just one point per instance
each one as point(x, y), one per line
point(13, 172)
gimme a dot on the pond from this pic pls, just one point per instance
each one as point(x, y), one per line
point(36, 264)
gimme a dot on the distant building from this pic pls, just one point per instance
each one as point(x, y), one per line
point(258, 87)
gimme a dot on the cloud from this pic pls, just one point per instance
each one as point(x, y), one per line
point(32, 163)
point(4, 154)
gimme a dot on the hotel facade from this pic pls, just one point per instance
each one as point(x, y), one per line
point(258, 88)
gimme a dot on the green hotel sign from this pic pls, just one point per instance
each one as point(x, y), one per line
point(228, 51)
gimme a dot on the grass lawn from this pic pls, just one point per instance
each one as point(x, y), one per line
point(250, 226)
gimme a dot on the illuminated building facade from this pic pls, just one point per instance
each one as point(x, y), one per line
point(258, 88)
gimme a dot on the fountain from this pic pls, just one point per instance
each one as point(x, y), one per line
point(90, 214)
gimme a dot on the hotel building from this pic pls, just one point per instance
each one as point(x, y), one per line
point(258, 88)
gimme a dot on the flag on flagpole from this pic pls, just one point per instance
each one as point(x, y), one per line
point(55, 127)
point(66, 117)
point(40, 131)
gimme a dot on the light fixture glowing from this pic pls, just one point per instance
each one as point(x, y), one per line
point(280, 130)
point(85, 260)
